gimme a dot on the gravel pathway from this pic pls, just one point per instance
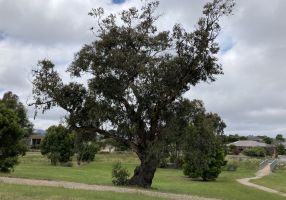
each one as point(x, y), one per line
point(82, 186)
point(263, 172)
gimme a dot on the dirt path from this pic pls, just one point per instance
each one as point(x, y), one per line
point(261, 173)
point(82, 186)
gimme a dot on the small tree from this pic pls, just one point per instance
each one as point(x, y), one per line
point(119, 174)
point(267, 140)
point(10, 139)
point(280, 149)
point(280, 138)
point(85, 146)
point(58, 144)
point(12, 102)
point(86, 152)
point(203, 153)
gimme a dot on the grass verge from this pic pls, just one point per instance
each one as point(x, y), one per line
point(226, 187)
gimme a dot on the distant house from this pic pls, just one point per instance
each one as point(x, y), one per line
point(35, 140)
point(246, 144)
point(107, 149)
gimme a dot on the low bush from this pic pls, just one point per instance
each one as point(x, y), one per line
point(232, 150)
point(231, 165)
point(255, 152)
point(87, 152)
point(67, 164)
point(119, 174)
point(280, 149)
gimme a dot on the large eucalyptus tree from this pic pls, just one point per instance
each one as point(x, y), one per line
point(135, 74)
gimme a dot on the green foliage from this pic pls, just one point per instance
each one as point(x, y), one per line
point(232, 138)
point(119, 174)
point(203, 152)
point(231, 165)
point(279, 137)
point(233, 150)
point(87, 151)
point(133, 77)
point(11, 135)
point(12, 102)
point(210, 167)
point(163, 163)
point(267, 140)
point(58, 144)
point(86, 146)
point(178, 118)
point(280, 149)
point(255, 152)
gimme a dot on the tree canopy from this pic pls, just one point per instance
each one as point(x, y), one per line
point(12, 101)
point(11, 135)
point(280, 138)
point(14, 126)
point(135, 73)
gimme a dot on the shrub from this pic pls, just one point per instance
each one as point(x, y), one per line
point(67, 164)
point(163, 163)
point(210, 171)
point(87, 152)
point(119, 174)
point(231, 165)
point(255, 152)
point(58, 144)
point(280, 149)
point(233, 150)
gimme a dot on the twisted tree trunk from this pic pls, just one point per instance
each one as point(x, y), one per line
point(144, 174)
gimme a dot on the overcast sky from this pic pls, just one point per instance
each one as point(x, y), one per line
point(250, 96)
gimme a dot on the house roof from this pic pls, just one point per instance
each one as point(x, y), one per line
point(37, 136)
point(248, 143)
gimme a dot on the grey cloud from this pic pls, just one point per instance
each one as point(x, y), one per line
point(250, 96)
point(48, 22)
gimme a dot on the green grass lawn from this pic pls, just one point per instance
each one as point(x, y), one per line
point(22, 192)
point(99, 172)
point(276, 180)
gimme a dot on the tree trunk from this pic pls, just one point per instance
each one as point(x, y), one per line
point(144, 174)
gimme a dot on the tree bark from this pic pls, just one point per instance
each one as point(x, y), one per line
point(144, 174)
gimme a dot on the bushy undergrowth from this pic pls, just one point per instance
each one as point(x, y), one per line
point(120, 174)
point(231, 165)
point(247, 163)
point(255, 152)
point(87, 152)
